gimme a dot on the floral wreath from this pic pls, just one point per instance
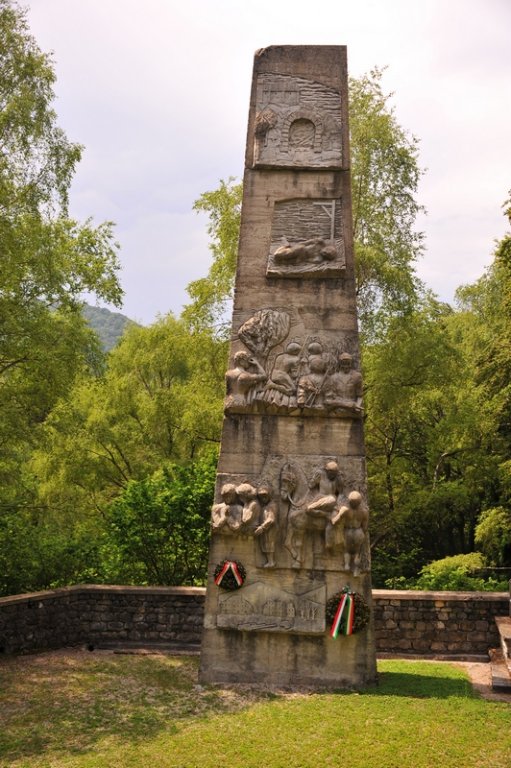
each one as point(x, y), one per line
point(347, 612)
point(230, 574)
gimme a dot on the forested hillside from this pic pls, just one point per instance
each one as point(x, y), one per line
point(108, 325)
point(107, 462)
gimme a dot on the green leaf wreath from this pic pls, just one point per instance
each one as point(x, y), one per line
point(362, 611)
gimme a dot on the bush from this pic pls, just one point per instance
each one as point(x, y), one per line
point(36, 554)
point(456, 573)
point(160, 526)
point(493, 535)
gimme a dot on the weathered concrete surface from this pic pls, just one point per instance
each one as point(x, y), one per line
point(293, 421)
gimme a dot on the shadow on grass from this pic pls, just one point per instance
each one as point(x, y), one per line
point(68, 703)
point(56, 703)
point(421, 686)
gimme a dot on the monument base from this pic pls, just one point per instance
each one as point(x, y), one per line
point(274, 632)
point(288, 661)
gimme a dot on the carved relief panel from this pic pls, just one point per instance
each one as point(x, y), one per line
point(301, 512)
point(282, 370)
point(306, 239)
point(297, 123)
point(265, 607)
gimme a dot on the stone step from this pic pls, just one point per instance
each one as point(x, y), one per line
point(500, 674)
point(501, 657)
point(504, 627)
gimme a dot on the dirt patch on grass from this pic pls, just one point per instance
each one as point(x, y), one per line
point(480, 677)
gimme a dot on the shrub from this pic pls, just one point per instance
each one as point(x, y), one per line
point(493, 535)
point(456, 573)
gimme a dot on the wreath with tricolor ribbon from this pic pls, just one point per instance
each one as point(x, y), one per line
point(347, 612)
point(230, 574)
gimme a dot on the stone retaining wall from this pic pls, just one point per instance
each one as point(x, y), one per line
point(442, 623)
point(419, 623)
point(101, 615)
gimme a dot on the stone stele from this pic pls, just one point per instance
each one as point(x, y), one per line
point(291, 501)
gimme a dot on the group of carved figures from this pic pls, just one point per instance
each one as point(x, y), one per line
point(300, 381)
point(245, 509)
point(336, 522)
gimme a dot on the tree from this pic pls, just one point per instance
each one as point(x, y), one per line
point(385, 177)
point(36, 159)
point(457, 573)
point(160, 400)
point(48, 260)
point(493, 535)
point(210, 294)
point(491, 305)
point(160, 525)
point(439, 444)
point(408, 376)
point(485, 323)
point(113, 455)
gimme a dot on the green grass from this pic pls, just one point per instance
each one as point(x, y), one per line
point(100, 710)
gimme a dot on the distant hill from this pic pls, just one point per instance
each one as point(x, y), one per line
point(108, 325)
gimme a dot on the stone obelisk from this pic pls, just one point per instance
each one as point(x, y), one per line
point(289, 559)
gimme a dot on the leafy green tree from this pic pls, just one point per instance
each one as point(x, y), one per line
point(489, 302)
point(493, 535)
point(160, 400)
point(210, 294)
point(48, 260)
point(37, 552)
point(429, 467)
point(160, 525)
point(482, 326)
point(456, 573)
point(385, 178)
point(116, 440)
point(36, 158)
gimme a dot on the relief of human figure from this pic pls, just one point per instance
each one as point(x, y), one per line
point(355, 519)
point(315, 351)
point(242, 381)
point(266, 531)
point(251, 511)
point(343, 390)
point(314, 251)
point(309, 392)
point(329, 484)
point(280, 388)
point(227, 515)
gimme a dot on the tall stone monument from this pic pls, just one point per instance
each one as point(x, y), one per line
point(289, 552)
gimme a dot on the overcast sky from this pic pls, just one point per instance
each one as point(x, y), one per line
point(158, 93)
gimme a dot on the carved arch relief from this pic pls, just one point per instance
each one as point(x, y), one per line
point(297, 123)
point(302, 130)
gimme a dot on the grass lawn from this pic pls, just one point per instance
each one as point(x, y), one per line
point(101, 710)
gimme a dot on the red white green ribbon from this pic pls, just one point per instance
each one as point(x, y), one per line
point(344, 616)
point(229, 565)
